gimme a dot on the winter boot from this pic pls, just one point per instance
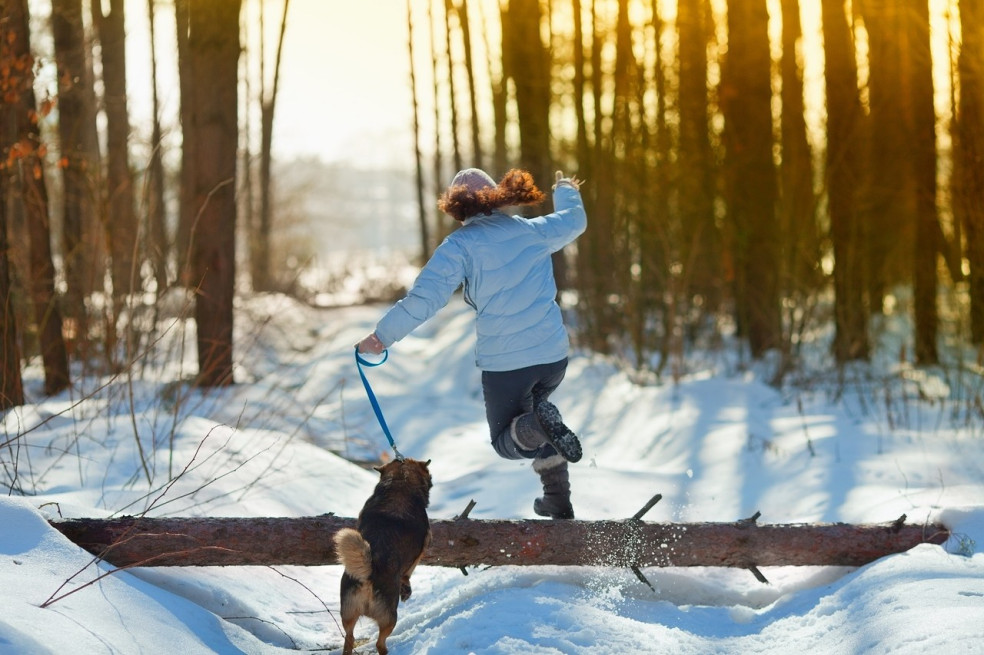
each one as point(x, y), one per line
point(556, 499)
point(543, 427)
point(557, 434)
point(527, 434)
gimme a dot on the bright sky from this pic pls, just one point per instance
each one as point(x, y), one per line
point(344, 80)
point(344, 76)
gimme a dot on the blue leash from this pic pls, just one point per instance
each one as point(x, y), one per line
point(360, 362)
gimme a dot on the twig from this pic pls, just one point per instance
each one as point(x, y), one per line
point(648, 506)
point(468, 509)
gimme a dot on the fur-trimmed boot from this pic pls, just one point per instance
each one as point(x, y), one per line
point(556, 499)
point(543, 427)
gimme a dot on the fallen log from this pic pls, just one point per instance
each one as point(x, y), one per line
point(460, 542)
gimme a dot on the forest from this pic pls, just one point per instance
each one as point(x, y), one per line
point(740, 177)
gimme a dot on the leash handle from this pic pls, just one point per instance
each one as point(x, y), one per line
point(360, 362)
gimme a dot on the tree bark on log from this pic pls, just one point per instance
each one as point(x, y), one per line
point(307, 541)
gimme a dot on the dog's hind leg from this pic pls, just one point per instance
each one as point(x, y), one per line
point(405, 589)
point(386, 625)
point(349, 619)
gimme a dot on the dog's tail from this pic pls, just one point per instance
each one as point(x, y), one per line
point(353, 553)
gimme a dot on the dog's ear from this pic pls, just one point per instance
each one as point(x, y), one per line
point(427, 463)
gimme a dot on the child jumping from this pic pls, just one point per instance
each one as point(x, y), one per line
point(504, 263)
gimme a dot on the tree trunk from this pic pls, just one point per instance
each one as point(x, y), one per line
point(80, 162)
point(121, 219)
point(500, 152)
point(797, 206)
point(417, 157)
point(21, 148)
point(11, 383)
point(263, 277)
point(442, 225)
point(452, 96)
point(213, 49)
point(187, 211)
point(888, 175)
point(699, 238)
point(844, 128)
point(969, 165)
point(308, 541)
point(527, 62)
point(923, 161)
point(462, 11)
point(746, 95)
point(158, 247)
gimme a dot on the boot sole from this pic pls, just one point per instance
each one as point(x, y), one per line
point(564, 441)
point(540, 510)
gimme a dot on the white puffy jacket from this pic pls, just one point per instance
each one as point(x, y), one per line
point(504, 263)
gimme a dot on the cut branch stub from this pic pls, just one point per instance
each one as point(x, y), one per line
point(307, 541)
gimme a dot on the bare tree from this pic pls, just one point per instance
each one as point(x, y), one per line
point(82, 238)
point(121, 220)
point(11, 384)
point(22, 152)
point(462, 12)
point(843, 171)
point(700, 241)
point(158, 246)
point(263, 278)
point(746, 96)
point(452, 96)
point(187, 212)
point(213, 64)
point(888, 207)
point(923, 160)
point(797, 201)
point(418, 159)
point(969, 166)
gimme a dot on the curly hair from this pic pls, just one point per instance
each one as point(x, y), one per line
point(516, 188)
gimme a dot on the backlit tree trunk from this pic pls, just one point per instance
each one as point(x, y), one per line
point(187, 209)
point(82, 236)
point(263, 275)
point(888, 207)
point(527, 63)
point(843, 172)
point(746, 96)
point(158, 246)
point(22, 152)
point(970, 155)
point(121, 219)
point(797, 204)
point(213, 50)
point(923, 161)
point(462, 11)
point(700, 241)
point(417, 158)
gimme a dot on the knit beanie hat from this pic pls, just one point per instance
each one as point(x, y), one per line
point(473, 192)
point(474, 179)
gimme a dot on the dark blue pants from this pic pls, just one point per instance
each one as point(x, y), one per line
point(510, 393)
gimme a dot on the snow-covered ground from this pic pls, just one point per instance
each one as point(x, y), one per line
point(719, 445)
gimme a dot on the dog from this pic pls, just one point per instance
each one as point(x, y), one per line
point(392, 533)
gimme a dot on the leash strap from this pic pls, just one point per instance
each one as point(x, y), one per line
point(360, 362)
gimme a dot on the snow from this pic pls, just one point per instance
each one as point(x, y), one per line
point(719, 444)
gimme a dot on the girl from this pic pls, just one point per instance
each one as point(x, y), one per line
point(505, 266)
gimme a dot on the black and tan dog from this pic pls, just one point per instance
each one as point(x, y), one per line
point(392, 533)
